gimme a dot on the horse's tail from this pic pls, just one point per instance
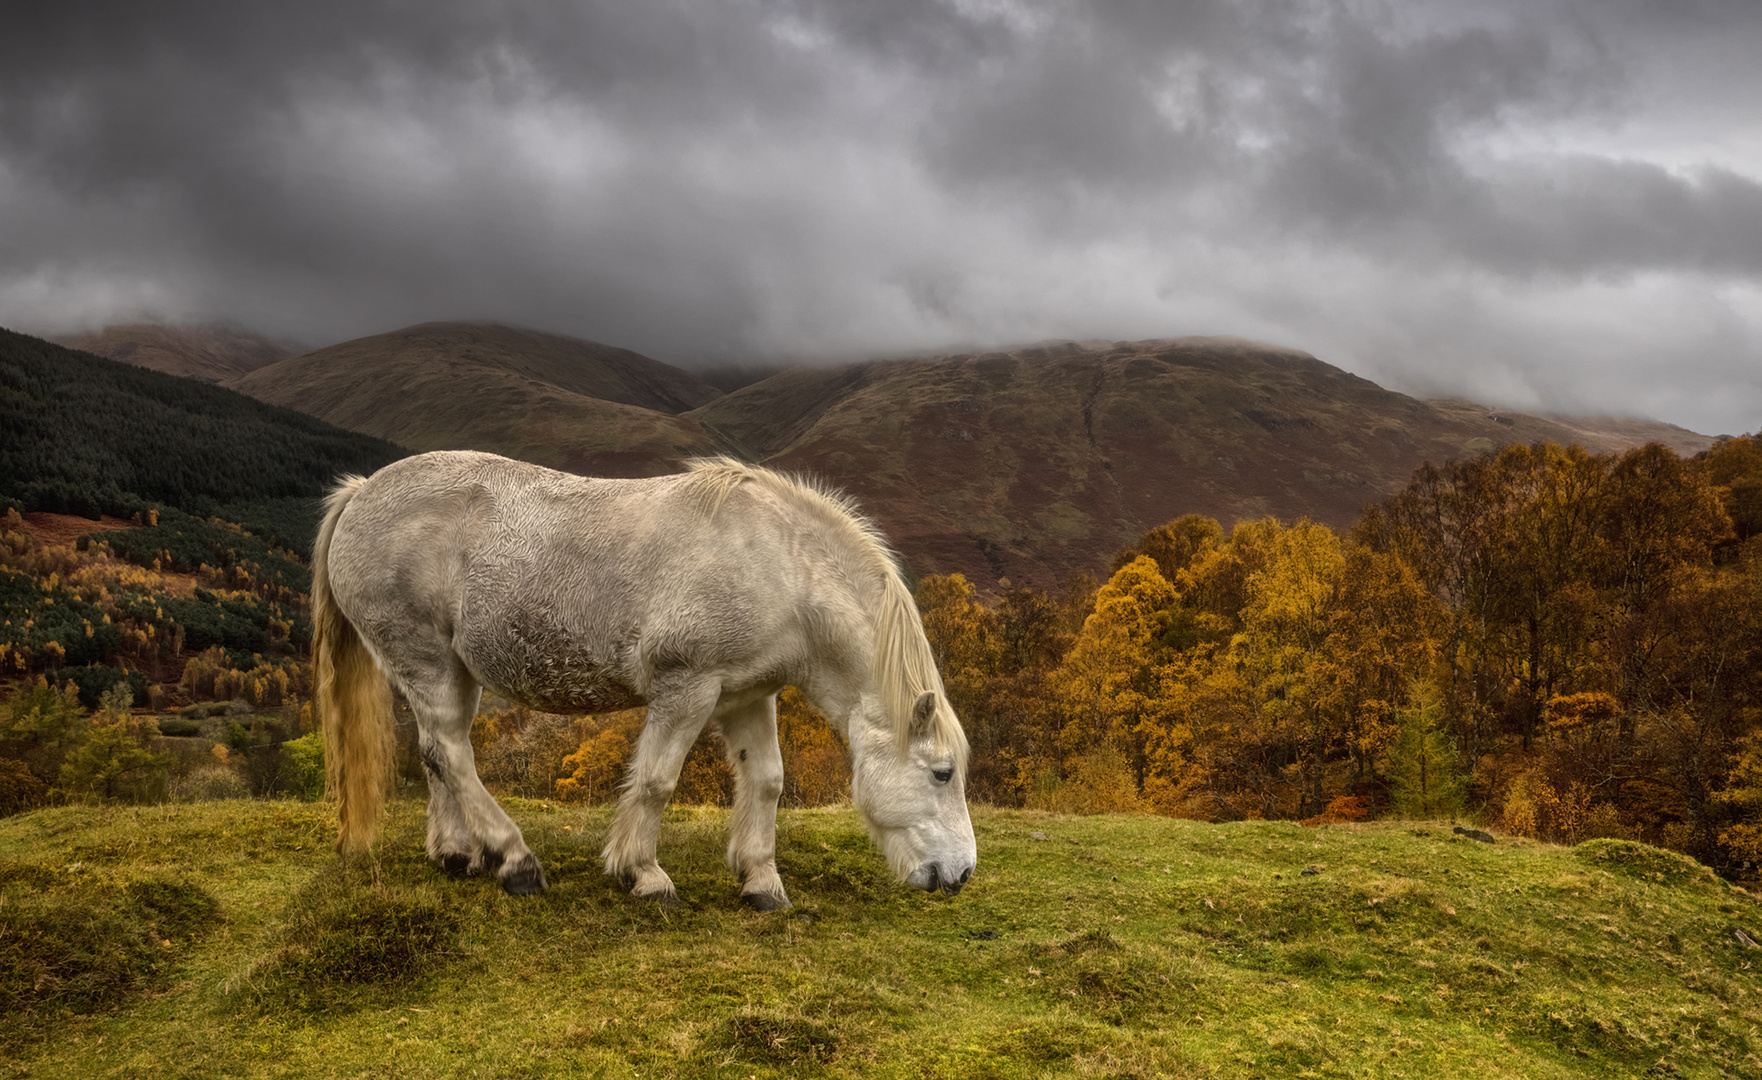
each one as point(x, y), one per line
point(354, 700)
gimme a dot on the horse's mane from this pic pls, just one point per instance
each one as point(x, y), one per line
point(904, 666)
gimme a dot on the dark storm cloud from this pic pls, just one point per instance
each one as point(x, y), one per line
point(1532, 200)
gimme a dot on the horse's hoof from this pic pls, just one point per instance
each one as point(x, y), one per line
point(525, 878)
point(760, 901)
point(454, 865)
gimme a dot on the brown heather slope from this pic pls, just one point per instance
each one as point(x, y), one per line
point(1023, 465)
point(1030, 464)
point(559, 401)
point(212, 354)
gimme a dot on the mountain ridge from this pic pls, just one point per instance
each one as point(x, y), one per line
point(212, 353)
point(1012, 467)
point(564, 402)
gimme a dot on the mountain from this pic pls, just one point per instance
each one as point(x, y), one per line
point(85, 435)
point(1020, 465)
point(1029, 464)
point(213, 353)
point(561, 401)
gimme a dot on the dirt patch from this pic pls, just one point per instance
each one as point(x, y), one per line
point(49, 528)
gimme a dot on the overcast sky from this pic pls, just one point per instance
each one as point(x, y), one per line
point(1541, 205)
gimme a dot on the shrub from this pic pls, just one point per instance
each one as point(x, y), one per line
point(20, 790)
point(1097, 782)
point(304, 765)
point(209, 783)
point(1341, 810)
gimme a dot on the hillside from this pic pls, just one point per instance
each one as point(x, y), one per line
point(1034, 463)
point(225, 938)
point(213, 354)
point(1023, 465)
point(560, 401)
point(85, 434)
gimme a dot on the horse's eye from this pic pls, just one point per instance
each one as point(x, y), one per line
point(942, 775)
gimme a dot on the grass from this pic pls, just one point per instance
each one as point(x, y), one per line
point(1104, 946)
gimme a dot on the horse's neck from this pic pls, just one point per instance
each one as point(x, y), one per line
point(841, 665)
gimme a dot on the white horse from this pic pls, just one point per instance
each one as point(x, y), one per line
point(700, 594)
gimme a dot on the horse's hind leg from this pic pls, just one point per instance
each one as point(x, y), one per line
point(751, 734)
point(468, 832)
point(676, 717)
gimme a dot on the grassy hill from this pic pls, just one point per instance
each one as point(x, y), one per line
point(225, 939)
point(559, 401)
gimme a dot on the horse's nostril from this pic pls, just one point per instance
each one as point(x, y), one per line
point(965, 874)
point(935, 877)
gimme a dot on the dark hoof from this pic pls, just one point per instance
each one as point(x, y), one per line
point(759, 901)
point(525, 879)
point(492, 861)
point(454, 865)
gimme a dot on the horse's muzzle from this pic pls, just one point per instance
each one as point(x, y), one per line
point(933, 877)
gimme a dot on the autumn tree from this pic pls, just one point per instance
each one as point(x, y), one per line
point(1384, 633)
point(592, 772)
point(816, 767)
point(1285, 624)
point(1734, 467)
point(1107, 682)
point(121, 759)
point(1174, 546)
point(39, 727)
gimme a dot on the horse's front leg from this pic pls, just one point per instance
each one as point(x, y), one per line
point(675, 719)
point(751, 734)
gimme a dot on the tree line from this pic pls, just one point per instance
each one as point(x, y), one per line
point(1550, 641)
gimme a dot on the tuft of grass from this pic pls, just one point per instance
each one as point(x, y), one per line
point(76, 941)
point(347, 938)
point(773, 1038)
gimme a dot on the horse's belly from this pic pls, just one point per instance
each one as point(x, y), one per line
point(544, 667)
point(576, 695)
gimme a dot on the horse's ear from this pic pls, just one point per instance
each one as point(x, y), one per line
point(923, 712)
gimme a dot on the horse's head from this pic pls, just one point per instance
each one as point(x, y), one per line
point(912, 791)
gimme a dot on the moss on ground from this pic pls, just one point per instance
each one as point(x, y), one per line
point(1107, 946)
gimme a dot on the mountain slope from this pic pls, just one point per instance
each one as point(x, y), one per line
point(212, 354)
point(560, 401)
point(85, 434)
point(1033, 463)
point(1025, 465)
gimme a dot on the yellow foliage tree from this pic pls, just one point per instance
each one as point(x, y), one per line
point(1384, 630)
point(591, 773)
point(1108, 682)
